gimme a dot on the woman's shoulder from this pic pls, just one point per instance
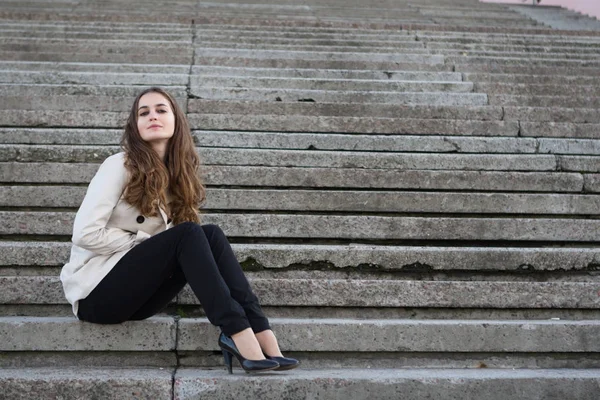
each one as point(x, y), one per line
point(116, 161)
point(113, 167)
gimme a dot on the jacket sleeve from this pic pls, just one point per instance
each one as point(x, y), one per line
point(103, 193)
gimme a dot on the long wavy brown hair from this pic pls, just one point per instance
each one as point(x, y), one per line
point(151, 179)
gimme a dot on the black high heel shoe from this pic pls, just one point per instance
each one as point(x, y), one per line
point(229, 349)
point(285, 363)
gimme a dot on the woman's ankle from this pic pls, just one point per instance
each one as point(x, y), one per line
point(247, 345)
point(268, 343)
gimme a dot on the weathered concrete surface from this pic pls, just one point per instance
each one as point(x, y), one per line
point(313, 141)
point(247, 61)
point(592, 183)
point(322, 177)
point(70, 334)
point(365, 125)
point(543, 101)
point(569, 146)
point(560, 129)
point(535, 79)
point(95, 359)
point(302, 158)
point(552, 114)
point(88, 68)
point(340, 257)
point(377, 110)
point(525, 60)
point(308, 55)
point(323, 141)
point(494, 67)
point(329, 200)
point(360, 293)
point(518, 53)
point(336, 226)
point(411, 335)
point(415, 384)
point(388, 293)
point(88, 383)
point(532, 89)
point(342, 96)
point(62, 136)
point(93, 78)
point(580, 163)
point(199, 71)
point(331, 84)
point(33, 90)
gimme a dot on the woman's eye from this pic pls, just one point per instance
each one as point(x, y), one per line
point(162, 111)
point(144, 113)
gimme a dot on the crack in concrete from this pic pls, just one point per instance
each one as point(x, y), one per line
point(188, 88)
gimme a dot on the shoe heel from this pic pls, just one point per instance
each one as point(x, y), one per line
point(227, 356)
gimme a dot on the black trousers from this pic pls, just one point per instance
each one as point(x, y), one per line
point(151, 274)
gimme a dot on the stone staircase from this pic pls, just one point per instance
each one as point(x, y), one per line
point(412, 187)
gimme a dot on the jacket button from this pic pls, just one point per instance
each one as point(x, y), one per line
point(140, 219)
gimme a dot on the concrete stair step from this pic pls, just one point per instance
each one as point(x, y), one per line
point(507, 38)
point(337, 201)
point(97, 49)
point(353, 48)
point(99, 27)
point(358, 292)
point(65, 67)
point(270, 38)
point(97, 69)
point(109, 384)
point(319, 227)
point(317, 56)
point(556, 182)
point(530, 79)
point(276, 123)
point(560, 129)
point(376, 383)
point(496, 68)
point(72, 34)
point(27, 256)
point(304, 35)
point(130, 91)
point(516, 54)
point(438, 98)
point(198, 72)
point(425, 113)
point(312, 158)
point(141, 58)
point(526, 61)
point(529, 48)
point(510, 100)
point(532, 89)
point(93, 78)
point(332, 124)
point(193, 383)
point(306, 62)
point(208, 82)
point(319, 141)
point(307, 335)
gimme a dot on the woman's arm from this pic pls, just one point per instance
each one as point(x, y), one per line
point(103, 193)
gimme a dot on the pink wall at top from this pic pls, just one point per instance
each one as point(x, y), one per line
point(590, 7)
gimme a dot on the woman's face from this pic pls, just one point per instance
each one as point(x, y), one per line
point(155, 118)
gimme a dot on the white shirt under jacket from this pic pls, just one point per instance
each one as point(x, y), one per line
point(105, 229)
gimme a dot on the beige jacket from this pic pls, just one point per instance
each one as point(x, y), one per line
point(105, 229)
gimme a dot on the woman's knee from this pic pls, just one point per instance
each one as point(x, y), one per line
point(213, 231)
point(189, 227)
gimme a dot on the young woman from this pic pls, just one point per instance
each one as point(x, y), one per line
point(137, 240)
